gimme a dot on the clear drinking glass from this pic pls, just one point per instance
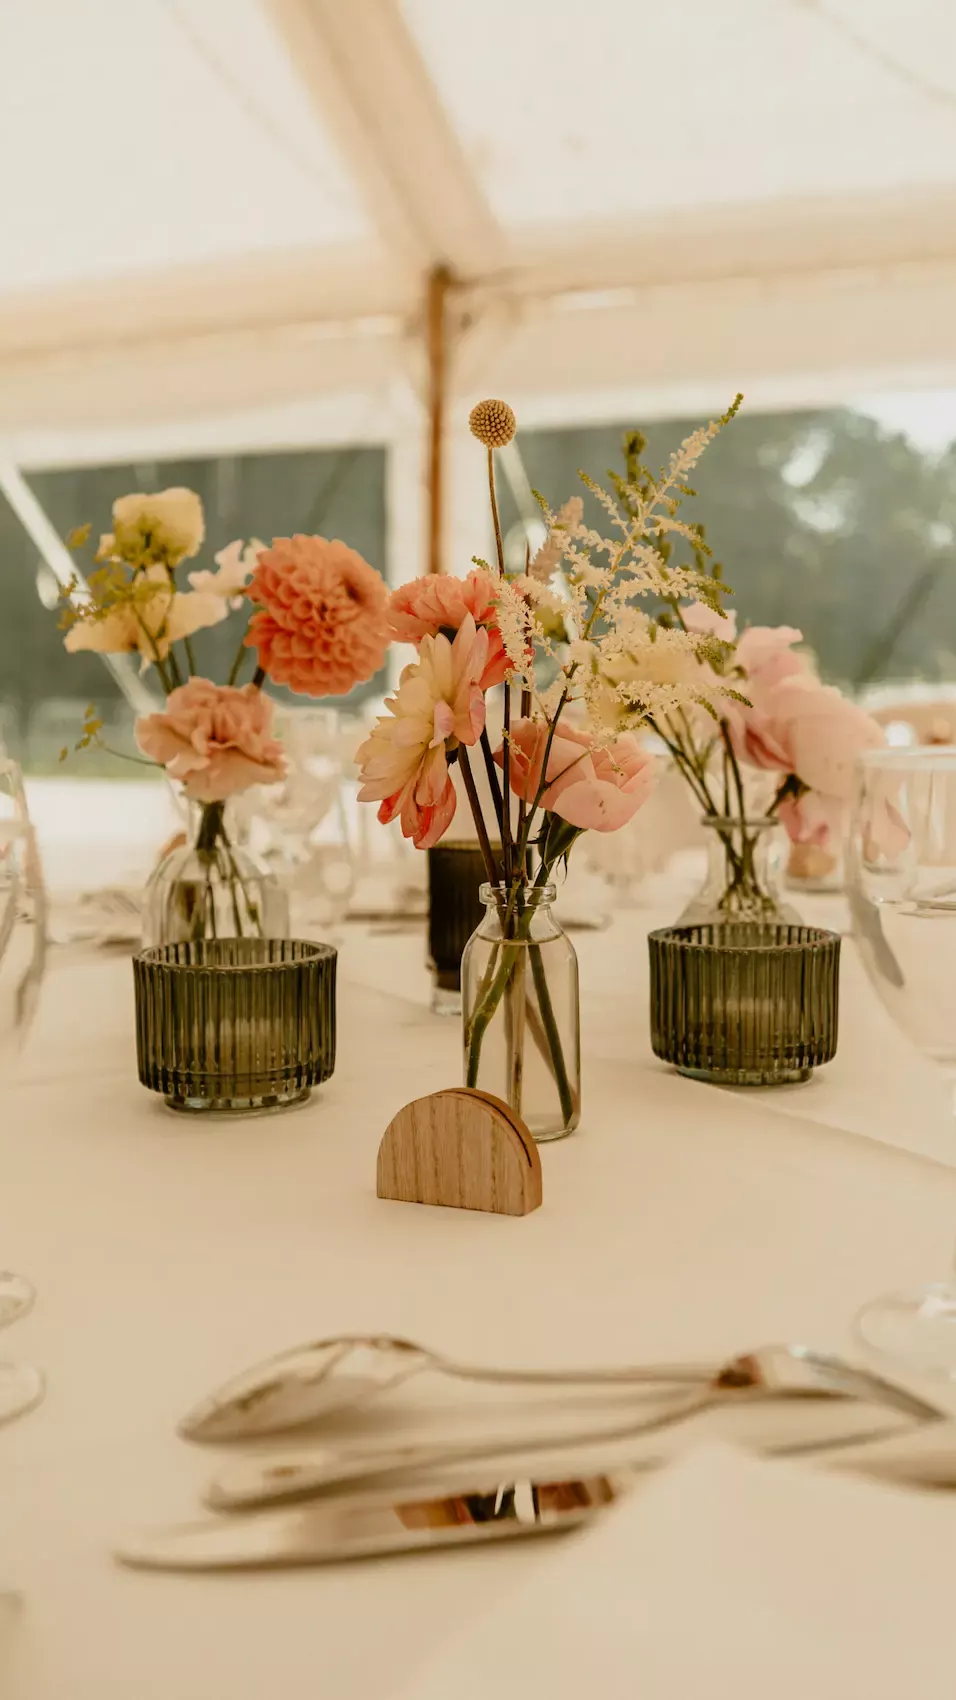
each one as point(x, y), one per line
point(901, 883)
point(304, 826)
point(22, 961)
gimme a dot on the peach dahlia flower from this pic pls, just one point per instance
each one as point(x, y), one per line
point(439, 602)
point(439, 704)
point(322, 625)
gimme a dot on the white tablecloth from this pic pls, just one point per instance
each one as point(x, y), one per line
point(681, 1222)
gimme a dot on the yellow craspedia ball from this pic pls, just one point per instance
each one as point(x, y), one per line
point(493, 423)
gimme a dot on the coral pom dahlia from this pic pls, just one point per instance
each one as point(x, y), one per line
point(322, 625)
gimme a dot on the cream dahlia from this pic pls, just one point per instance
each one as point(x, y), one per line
point(439, 704)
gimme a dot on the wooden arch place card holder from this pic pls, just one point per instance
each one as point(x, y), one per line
point(462, 1148)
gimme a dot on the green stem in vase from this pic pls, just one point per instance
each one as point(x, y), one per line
point(501, 983)
point(546, 1008)
point(210, 828)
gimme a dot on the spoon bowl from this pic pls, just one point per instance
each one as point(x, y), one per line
point(769, 1373)
point(312, 1383)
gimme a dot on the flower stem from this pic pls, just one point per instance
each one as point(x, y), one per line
point(234, 670)
point(210, 828)
point(507, 845)
point(499, 546)
point(484, 842)
point(492, 773)
point(499, 981)
point(551, 1029)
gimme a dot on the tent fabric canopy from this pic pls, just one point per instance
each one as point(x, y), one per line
point(219, 214)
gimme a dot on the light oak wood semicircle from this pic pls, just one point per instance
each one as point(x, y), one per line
point(461, 1148)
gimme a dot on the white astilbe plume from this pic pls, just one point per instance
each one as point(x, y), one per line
point(515, 623)
point(549, 556)
point(617, 663)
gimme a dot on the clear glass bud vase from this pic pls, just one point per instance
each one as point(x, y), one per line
point(742, 884)
point(212, 888)
point(519, 1000)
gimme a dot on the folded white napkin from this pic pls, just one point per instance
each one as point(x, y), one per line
point(727, 1578)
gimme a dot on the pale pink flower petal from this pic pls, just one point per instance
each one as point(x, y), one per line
point(235, 562)
point(215, 739)
point(768, 651)
point(706, 622)
point(591, 786)
point(795, 725)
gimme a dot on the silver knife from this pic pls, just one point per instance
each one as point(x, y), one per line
point(332, 1531)
point(343, 1529)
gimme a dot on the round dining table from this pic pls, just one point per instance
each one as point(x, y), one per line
point(680, 1222)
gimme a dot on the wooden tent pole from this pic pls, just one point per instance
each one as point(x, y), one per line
point(439, 282)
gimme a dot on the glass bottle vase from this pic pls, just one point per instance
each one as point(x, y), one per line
point(519, 1000)
point(742, 883)
point(212, 888)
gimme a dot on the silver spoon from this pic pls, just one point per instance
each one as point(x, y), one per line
point(311, 1382)
point(771, 1372)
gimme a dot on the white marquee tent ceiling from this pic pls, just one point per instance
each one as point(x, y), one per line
point(215, 209)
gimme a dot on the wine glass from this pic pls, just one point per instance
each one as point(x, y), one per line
point(22, 961)
point(901, 883)
point(305, 820)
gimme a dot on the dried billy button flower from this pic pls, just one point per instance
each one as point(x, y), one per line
point(493, 423)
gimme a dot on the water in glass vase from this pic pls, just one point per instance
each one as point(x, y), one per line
point(212, 888)
point(742, 884)
point(519, 996)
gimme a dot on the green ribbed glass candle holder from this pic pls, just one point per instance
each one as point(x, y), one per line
point(235, 1026)
point(749, 1005)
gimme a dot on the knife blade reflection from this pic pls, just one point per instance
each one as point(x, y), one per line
point(362, 1528)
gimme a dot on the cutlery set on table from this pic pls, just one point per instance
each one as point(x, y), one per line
point(320, 1503)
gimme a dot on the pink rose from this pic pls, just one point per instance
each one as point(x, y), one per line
point(765, 653)
point(814, 732)
point(823, 733)
point(591, 786)
point(214, 738)
point(439, 603)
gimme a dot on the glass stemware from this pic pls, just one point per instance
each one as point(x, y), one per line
point(22, 962)
point(901, 883)
point(305, 832)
